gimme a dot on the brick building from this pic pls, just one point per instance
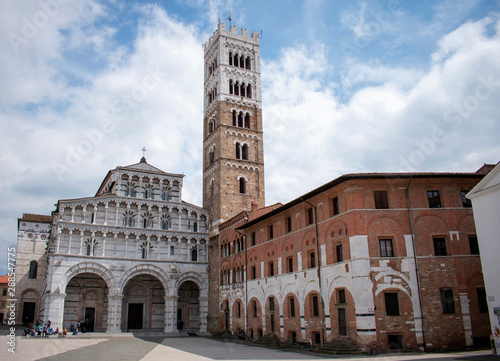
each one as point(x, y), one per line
point(4, 287)
point(389, 260)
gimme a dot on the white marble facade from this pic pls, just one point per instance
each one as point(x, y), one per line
point(134, 256)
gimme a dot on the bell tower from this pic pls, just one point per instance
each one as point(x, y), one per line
point(233, 151)
point(233, 161)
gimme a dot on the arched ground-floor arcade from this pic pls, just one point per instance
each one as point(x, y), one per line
point(141, 298)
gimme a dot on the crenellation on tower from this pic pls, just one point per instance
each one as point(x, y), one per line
point(254, 38)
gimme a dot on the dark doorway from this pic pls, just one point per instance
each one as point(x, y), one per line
point(226, 319)
point(272, 322)
point(180, 322)
point(316, 336)
point(29, 312)
point(293, 336)
point(342, 321)
point(135, 313)
point(89, 319)
point(395, 342)
point(189, 303)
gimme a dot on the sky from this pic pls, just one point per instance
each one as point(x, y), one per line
point(347, 87)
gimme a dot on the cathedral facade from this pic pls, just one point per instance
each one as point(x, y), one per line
point(132, 257)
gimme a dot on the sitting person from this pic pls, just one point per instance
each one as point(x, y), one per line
point(64, 332)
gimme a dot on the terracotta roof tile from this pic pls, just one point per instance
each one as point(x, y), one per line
point(36, 218)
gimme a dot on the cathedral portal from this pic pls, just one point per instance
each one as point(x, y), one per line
point(143, 304)
point(86, 302)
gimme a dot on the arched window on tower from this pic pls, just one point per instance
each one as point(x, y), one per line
point(249, 91)
point(33, 270)
point(235, 60)
point(194, 254)
point(212, 187)
point(237, 88)
point(243, 185)
point(248, 63)
point(242, 62)
point(238, 150)
point(235, 121)
point(211, 155)
point(244, 152)
point(231, 87)
point(240, 119)
point(230, 58)
point(242, 89)
point(247, 120)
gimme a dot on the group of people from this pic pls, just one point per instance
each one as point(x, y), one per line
point(76, 327)
point(41, 330)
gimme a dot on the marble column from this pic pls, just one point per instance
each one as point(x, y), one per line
point(70, 238)
point(203, 313)
point(106, 213)
point(55, 309)
point(104, 245)
point(114, 313)
point(170, 323)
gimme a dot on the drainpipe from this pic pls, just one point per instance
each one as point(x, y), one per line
point(416, 263)
point(321, 308)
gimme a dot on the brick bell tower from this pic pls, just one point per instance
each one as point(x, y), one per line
point(233, 162)
point(233, 151)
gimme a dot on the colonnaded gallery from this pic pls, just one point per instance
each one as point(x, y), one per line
point(373, 261)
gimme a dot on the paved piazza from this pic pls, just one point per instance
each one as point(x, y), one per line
point(186, 349)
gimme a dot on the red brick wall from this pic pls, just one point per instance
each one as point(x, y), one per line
point(458, 271)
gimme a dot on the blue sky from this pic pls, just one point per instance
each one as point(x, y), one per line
point(347, 86)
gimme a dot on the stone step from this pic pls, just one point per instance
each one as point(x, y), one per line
point(340, 346)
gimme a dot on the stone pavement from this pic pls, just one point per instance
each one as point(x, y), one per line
point(126, 347)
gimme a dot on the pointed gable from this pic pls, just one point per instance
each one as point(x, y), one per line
point(144, 166)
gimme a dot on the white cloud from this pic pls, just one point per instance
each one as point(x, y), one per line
point(57, 141)
point(34, 38)
point(405, 120)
